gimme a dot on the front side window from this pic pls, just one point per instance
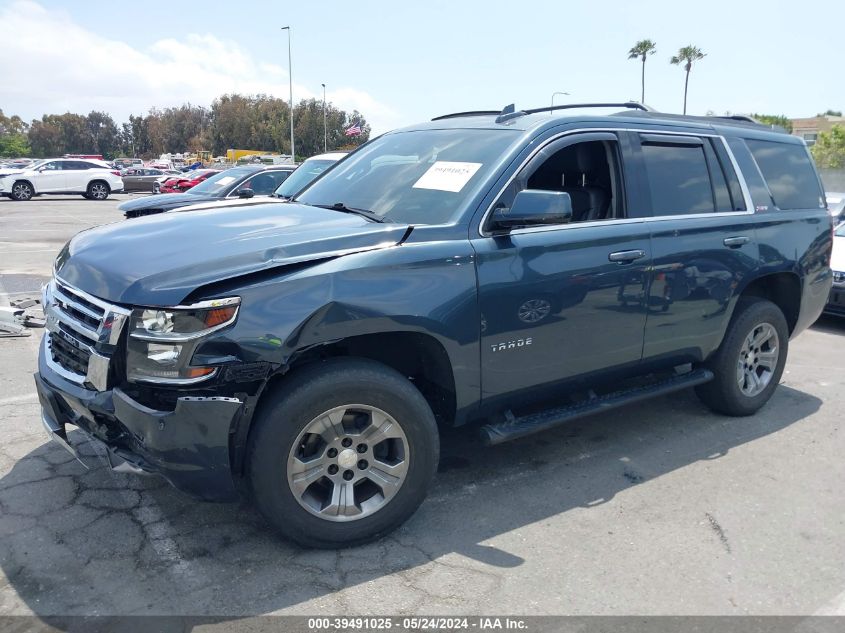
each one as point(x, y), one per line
point(415, 177)
point(789, 173)
point(589, 171)
point(678, 179)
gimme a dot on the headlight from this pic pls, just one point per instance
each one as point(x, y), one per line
point(162, 340)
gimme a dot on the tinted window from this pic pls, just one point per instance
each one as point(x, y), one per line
point(789, 174)
point(54, 166)
point(678, 179)
point(264, 184)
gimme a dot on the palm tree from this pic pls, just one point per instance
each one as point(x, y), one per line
point(687, 55)
point(640, 50)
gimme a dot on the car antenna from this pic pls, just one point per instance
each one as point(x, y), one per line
point(509, 112)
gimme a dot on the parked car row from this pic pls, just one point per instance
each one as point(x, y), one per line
point(96, 180)
point(235, 186)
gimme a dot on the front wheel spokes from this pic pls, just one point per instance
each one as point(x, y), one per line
point(342, 502)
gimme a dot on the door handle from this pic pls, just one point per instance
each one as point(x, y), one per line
point(736, 242)
point(625, 257)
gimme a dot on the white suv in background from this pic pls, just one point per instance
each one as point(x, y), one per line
point(94, 179)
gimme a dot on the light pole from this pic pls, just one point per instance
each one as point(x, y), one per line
point(290, 80)
point(325, 129)
point(554, 94)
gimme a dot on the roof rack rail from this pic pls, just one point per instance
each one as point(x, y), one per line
point(739, 117)
point(455, 115)
point(633, 105)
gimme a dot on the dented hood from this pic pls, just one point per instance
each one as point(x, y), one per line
point(159, 260)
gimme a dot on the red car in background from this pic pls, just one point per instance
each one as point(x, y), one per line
point(178, 184)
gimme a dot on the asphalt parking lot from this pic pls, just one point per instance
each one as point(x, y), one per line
point(659, 508)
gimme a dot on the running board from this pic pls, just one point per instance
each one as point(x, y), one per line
point(513, 428)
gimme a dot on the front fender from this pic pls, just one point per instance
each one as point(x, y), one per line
point(427, 287)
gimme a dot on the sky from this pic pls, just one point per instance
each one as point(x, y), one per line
point(403, 62)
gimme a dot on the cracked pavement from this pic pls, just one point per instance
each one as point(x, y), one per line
point(658, 508)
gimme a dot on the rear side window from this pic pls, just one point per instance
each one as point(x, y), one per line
point(678, 178)
point(789, 174)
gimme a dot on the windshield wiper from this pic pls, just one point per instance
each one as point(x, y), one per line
point(339, 206)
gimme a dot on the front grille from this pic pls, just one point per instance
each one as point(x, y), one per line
point(68, 355)
point(78, 327)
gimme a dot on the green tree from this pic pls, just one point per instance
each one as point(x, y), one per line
point(13, 136)
point(105, 137)
point(686, 56)
point(775, 119)
point(641, 50)
point(829, 148)
point(830, 113)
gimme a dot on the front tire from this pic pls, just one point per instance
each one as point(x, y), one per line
point(22, 191)
point(343, 453)
point(97, 190)
point(749, 364)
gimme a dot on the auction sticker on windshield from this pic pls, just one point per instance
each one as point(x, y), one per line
point(447, 176)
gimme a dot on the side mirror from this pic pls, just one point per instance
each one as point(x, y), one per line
point(534, 207)
point(245, 193)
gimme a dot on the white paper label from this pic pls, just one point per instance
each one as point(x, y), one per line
point(225, 180)
point(447, 176)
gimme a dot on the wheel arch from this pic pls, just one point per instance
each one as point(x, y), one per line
point(781, 288)
point(96, 180)
point(417, 356)
point(29, 182)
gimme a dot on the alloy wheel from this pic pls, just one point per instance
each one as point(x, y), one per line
point(99, 191)
point(21, 191)
point(348, 463)
point(758, 359)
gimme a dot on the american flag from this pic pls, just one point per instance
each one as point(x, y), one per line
point(353, 130)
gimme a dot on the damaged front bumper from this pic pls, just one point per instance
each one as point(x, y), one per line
point(188, 446)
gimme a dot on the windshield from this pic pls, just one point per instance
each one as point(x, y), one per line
point(303, 175)
point(418, 177)
point(219, 183)
point(840, 230)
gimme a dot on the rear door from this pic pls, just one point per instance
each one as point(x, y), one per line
point(703, 241)
point(77, 174)
point(565, 300)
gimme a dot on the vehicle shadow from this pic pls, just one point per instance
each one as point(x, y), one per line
point(77, 542)
point(830, 324)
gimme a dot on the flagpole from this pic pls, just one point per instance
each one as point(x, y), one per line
point(290, 82)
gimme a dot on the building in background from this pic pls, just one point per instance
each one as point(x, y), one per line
point(809, 128)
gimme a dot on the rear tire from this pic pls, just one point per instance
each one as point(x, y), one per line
point(22, 191)
point(749, 364)
point(343, 419)
point(97, 190)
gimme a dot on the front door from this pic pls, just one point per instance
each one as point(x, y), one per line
point(560, 301)
point(51, 178)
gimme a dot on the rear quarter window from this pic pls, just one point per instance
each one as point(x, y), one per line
point(789, 173)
